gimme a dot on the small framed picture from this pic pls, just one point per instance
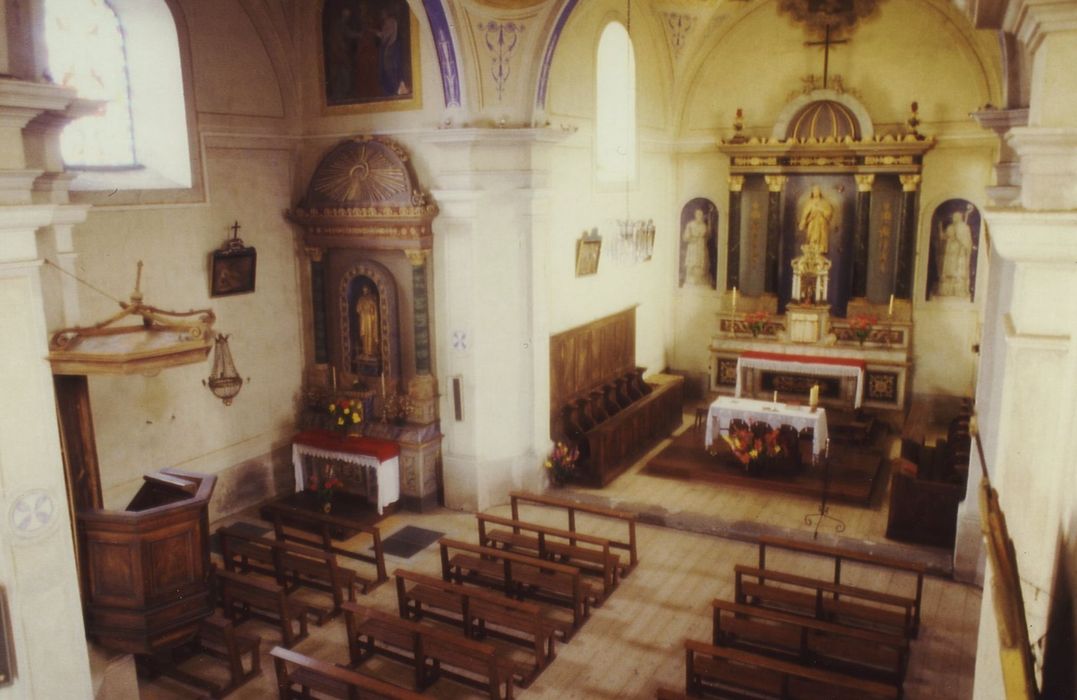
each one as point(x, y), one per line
point(232, 271)
point(588, 252)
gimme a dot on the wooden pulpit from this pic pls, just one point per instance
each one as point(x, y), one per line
point(146, 568)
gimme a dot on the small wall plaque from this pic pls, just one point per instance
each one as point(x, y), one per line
point(232, 267)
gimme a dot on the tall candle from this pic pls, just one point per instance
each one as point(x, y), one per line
point(813, 396)
point(775, 397)
point(332, 377)
point(891, 311)
point(734, 301)
point(383, 384)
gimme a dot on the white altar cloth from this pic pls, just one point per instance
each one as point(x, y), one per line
point(726, 408)
point(800, 364)
point(386, 486)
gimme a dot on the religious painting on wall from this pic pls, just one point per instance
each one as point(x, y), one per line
point(370, 55)
point(699, 243)
point(955, 241)
point(588, 252)
point(819, 213)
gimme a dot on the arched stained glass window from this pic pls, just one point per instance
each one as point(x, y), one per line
point(87, 51)
point(615, 108)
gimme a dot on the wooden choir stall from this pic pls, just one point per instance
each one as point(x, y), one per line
point(599, 401)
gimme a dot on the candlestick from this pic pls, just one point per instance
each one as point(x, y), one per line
point(775, 397)
point(734, 301)
point(332, 377)
point(891, 311)
point(383, 384)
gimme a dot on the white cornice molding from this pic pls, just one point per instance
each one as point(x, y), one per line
point(509, 136)
point(1033, 236)
point(1036, 18)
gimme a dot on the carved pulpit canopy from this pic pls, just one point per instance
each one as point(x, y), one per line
point(364, 193)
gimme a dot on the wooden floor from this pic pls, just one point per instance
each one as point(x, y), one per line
point(632, 644)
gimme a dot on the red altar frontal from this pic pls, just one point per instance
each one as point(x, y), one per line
point(367, 465)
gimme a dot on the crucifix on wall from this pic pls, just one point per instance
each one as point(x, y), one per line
point(826, 43)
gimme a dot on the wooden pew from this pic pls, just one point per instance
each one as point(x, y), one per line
point(518, 575)
point(243, 597)
point(595, 559)
point(217, 638)
point(481, 613)
point(824, 600)
point(729, 672)
point(571, 508)
point(430, 652)
point(298, 675)
point(839, 555)
point(291, 565)
point(326, 524)
point(858, 652)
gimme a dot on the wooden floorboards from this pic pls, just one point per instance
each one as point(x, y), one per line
point(633, 643)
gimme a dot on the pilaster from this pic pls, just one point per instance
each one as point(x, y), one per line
point(732, 270)
point(775, 185)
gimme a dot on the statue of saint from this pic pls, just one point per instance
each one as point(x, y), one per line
point(955, 242)
point(696, 264)
point(815, 220)
point(366, 308)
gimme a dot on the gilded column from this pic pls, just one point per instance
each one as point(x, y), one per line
point(317, 304)
point(862, 234)
point(904, 263)
point(420, 309)
point(732, 263)
point(775, 184)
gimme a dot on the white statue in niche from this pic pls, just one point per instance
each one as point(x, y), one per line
point(955, 241)
point(696, 262)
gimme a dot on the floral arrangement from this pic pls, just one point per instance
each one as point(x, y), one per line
point(345, 414)
point(324, 486)
point(861, 326)
point(396, 407)
point(561, 463)
point(757, 321)
point(750, 449)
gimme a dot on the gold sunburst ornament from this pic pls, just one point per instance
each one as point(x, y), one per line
point(361, 174)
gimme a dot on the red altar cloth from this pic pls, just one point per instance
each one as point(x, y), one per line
point(323, 439)
point(810, 359)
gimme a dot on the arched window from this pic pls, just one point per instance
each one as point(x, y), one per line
point(615, 108)
point(126, 53)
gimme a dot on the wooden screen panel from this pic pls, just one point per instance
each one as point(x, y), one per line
point(590, 355)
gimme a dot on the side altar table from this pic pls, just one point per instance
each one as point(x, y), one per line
point(380, 460)
point(727, 408)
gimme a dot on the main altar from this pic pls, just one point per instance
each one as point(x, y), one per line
point(820, 257)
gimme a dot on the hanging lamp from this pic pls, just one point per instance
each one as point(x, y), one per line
point(224, 381)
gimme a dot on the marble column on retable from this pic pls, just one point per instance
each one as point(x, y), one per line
point(732, 265)
point(906, 252)
point(862, 234)
point(775, 185)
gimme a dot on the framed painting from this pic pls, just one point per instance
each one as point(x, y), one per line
point(370, 56)
point(588, 252)
point(232, 271)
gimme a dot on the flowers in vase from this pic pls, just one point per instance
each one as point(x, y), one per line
point(324, 486)
point(751, 449)
point(345, 414)
point(561, 463)
point(861, 326)
point(757, 321)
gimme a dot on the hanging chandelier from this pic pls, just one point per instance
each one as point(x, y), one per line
point(224, 381)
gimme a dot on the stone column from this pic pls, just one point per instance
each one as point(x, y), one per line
point(732, 264)
point(905, 260)
point(319, 330)
point(862, 234)
point(1007, 188)
point(490, 309)
point(37, 553)
point(775, 185)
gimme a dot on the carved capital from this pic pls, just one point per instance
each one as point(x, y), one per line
point(910, 183)
point(775, 183)
point(314, 253)
point(417, 258)
point(736, 183)
point(864, 182)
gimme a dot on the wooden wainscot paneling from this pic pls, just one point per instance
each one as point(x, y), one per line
point(598, 398)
